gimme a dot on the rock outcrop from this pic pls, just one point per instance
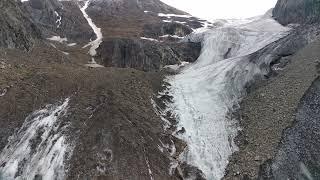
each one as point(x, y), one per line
point(146, 55)
point(157, 30)
point(297, 11)
point(60, 18)
point(17, 29)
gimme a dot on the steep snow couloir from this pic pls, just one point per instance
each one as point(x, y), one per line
point(96, 43)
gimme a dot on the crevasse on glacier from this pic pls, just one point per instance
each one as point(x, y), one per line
point(39, 148)
point(204, 93)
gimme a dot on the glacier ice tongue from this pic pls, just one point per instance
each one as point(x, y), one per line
point(205, 92)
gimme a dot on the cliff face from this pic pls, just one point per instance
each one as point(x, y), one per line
point(16, 30)
point(62, 18)
point(297, 11)
point(146, 55)
point(136, 36)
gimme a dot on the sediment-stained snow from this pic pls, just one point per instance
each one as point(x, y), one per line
point(96, 43)
point(205, 92)
point(39, 148)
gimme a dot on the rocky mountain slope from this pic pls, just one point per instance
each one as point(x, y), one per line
point(18, 30)
point(60, 18)
point(109, 113)
point(265, 144)
point(108, 128)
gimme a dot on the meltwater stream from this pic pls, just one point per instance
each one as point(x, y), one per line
point(205, 92)
point(39, 148)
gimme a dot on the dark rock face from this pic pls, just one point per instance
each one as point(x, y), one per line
point(146, 55)
point(160, 29)
point(299, 153)
point(16, 30)
point(297, 11)
point(281, 50)
point(46, 14)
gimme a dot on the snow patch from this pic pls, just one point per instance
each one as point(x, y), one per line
point(149, 39)
point(59, 18)
point(173, 15)
point(72, 44)
point(39, 148)
point(176, 67)
point(58, 39)
point(93, 64)
point(172, 36)
point(3, 92)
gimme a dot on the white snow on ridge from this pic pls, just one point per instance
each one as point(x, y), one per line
point(39, 148)
point(205, 92)
point(173, 15)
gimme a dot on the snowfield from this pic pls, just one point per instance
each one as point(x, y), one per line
point(206, 92)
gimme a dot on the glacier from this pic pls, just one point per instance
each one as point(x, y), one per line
point(39, 148)
point(206, 92)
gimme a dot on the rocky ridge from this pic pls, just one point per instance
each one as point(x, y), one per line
point(292, 69)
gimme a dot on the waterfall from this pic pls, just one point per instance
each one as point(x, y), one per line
point(39, 148)
point(206, 92)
